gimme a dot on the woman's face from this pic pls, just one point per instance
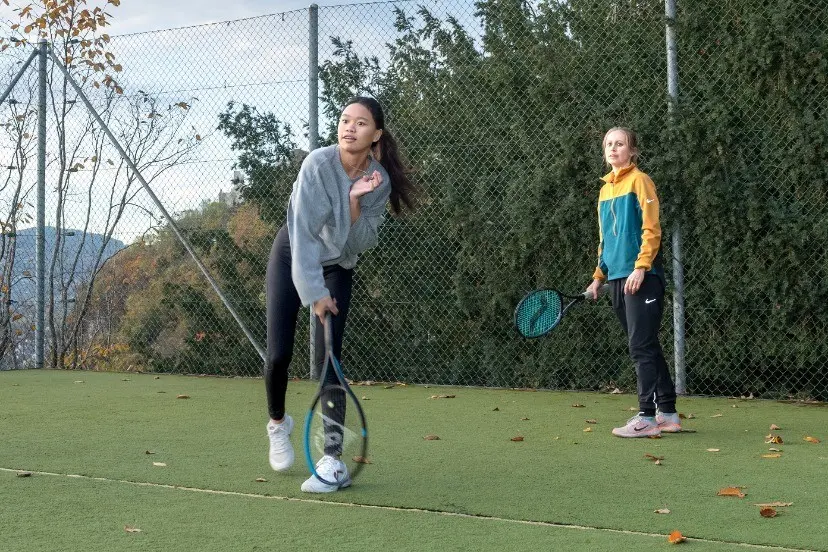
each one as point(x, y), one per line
point(357, 129)
point(617, 149)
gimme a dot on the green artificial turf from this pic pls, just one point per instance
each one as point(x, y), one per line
point(102, 425)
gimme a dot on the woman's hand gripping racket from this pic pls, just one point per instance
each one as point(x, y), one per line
point(541, 310)
point(335, 425)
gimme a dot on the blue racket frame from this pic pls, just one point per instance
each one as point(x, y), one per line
point(332, 362)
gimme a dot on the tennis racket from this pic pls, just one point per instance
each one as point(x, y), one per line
point(335, 424)
point(541, 310)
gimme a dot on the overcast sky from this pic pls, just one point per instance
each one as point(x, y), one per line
point(136, 16)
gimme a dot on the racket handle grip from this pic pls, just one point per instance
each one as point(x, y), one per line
point(601, 291)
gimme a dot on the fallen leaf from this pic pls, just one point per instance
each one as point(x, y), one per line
point(576, 405)
point(633, 409)
point(774, 504)
point(811, 439)
point(24, 474)
point(712, 450)
point(662, 511)
point(78, 381)
point(775, 449)
point(517, 439)
point(772, 455)
point(495, 409)
point(591, 421)
point(616, 391)
point(159, 464)
point(587, 430)
point(157, 377)
point(652, 457)
point(125, 379)
point(691, 416)
point(431, 438)
point(131, 529)
point(657, 462)
point(773, 439)
point(524, 419)
point(388, 387)
point(653, 436)
point(365, 399)
point(767, 512)
point(361, 460)
point(676, 537)
point(261, 480)
point(149, 452)
point(731, 491)
point(183, 397)
point(439, 396)
point(775, 427)
point(716, 416)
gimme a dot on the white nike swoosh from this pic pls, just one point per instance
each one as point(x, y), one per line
point(648, 301)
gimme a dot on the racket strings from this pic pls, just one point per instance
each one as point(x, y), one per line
point(538, 313)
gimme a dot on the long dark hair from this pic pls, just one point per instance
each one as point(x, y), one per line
point(385, 150)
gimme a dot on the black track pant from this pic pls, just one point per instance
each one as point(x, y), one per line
point(640, 316)
point(283, 306)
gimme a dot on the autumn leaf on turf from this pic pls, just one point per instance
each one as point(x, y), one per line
point(261, 480)
point(24, 474)
point(662, 511)
point(731, 491)
point(576, 405)
point(183, 397)
point(517, 438)
point(811, 439)
point(654, 458)
point(431, 438)
point(773, 439)
point(587, 430)
point(716, 416)
point(441, 396)
point(676, 537)
point(775, 427)
point(767, 512)
point(131, 529)
point(388, 387)
point(361, 460)
point(712, 450)
point(774, 504)
point(495, 409)
point(524, 419)
point(772, 455)
point(591, 421)
point(149, 452)
point(159, 464)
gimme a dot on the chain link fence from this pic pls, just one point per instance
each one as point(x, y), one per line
point(500, 107)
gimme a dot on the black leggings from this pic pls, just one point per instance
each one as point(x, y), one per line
point(640, 316)
point(283, 306)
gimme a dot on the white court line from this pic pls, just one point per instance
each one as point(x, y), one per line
point(411, 510)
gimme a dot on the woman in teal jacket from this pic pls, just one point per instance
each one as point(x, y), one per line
point(629, 257)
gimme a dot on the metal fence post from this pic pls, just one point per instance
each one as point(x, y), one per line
point(40, 244)
point(313, 143)
point(678, 267)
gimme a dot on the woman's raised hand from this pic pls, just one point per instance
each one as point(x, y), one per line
point(366, 184)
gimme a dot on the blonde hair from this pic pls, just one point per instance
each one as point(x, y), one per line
point(632, 142)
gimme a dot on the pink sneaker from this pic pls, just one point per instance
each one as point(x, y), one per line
point(638, 426)
point(668, 423)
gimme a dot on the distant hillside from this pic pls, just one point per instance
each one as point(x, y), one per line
point(73, 241)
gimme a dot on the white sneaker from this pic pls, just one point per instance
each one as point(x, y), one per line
point(281, 451)
point(329, 469)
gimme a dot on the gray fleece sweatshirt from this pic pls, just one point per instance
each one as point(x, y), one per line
point(319, 220)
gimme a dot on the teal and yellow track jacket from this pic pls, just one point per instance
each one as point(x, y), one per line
point(628, 226)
